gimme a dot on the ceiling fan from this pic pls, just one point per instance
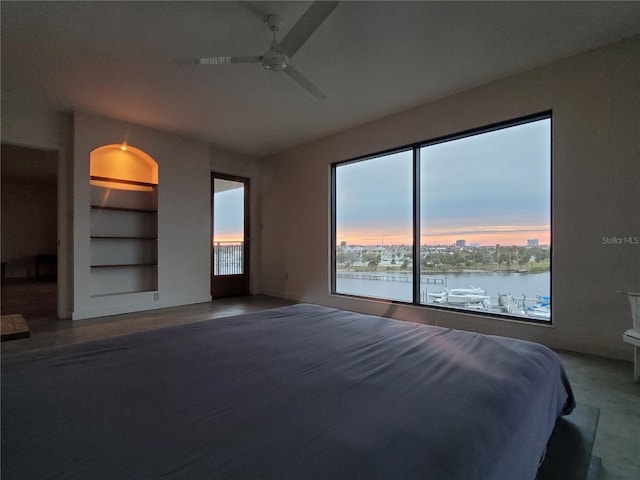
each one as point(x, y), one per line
point(277, 58)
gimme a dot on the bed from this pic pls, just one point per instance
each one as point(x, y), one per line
point(298, 392)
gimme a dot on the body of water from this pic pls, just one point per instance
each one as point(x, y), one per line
point(393, 286)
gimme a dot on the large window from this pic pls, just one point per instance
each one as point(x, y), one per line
point(374, 226)
point(461, 222)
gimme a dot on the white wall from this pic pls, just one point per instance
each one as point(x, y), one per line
point(595, 99)
point(184, 212)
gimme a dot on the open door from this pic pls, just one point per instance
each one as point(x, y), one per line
point(230, 236)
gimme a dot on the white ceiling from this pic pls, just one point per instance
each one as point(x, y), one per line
point(130, 60)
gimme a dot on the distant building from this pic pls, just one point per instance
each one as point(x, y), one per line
point(461, 243)
point(532, 243)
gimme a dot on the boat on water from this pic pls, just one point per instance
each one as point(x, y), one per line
point(461, 296)
point(541, 309)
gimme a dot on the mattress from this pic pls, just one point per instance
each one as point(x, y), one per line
point(298, 392)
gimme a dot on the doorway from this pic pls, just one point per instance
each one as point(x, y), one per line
point(29, 185)
point(230, 235)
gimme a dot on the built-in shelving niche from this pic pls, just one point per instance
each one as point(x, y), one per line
point(124, 221)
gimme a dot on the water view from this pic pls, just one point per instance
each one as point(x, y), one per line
point(503, 290)
point(514, 280)
point(477, 203)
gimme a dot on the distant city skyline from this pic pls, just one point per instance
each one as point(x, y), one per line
point(439, 243)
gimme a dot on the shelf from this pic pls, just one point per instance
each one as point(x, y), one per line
point(124, 182)
point(126, 265)
point(123, 209)
point(126, 292)
point(105, 237)
point(123, 228)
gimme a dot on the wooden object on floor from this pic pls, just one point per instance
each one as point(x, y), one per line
point(14, 327)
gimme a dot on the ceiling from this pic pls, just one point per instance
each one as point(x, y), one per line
point(135, 61)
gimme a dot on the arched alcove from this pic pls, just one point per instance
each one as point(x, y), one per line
point(124, 224)
point(125, 163)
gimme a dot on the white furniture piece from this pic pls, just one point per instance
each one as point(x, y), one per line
point(632, 335)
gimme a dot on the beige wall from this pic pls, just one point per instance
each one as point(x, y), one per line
point(595, 99)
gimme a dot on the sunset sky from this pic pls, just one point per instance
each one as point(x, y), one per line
point(488, 189)
point(228, 215)
point(485, 189)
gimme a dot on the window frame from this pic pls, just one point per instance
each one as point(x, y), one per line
point(416, 273)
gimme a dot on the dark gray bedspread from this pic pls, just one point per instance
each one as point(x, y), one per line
point(299, 392)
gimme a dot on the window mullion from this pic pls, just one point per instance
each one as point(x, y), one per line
point(334, 238)
point(416, 226)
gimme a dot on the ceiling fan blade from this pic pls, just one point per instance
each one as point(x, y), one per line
point(304, 83)
point(224, 60)
point(304, 28)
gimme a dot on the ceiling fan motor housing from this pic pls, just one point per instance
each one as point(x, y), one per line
point(274, 22)
point(275, 60)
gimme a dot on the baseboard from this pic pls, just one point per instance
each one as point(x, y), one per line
point(595, 469)
point(133, 305)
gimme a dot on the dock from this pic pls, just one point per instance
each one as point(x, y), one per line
point(511, 304)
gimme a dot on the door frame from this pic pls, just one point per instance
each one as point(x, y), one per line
point(239, 284)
